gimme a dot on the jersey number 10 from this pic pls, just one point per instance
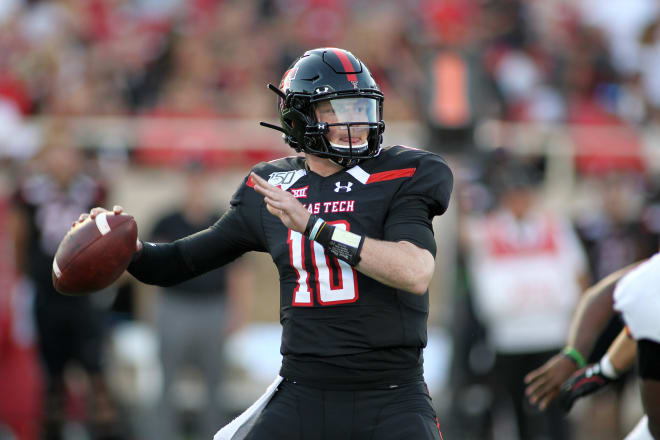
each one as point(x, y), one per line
point(335, 280)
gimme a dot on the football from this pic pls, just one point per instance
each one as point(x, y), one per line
point(94, 253)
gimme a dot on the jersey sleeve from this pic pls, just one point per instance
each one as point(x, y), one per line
point(420, 198)
point(238, 231)
point(637, 297)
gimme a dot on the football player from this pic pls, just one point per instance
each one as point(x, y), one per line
point(636, 297)
point(348, 225)
point(69, 329)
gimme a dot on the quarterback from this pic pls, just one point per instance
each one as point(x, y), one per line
point(348, 225)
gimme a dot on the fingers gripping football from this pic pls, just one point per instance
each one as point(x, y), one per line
point(94, 212)
point(95, 252)
point(282, 204)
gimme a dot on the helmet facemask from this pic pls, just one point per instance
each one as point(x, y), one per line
point(345, 129)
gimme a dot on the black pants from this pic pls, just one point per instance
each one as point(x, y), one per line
point(510, 370)
point(298, 412)
point(69, 331)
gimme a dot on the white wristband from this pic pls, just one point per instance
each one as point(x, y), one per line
point(315, 229)
point(607, 368)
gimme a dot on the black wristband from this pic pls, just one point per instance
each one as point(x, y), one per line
point(324, 234)
point(310, 225)
point(340, 243)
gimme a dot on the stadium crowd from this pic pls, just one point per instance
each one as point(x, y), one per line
point(589, 69)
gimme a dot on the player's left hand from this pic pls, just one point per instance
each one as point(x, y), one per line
point(543, 384)
point(282, 204)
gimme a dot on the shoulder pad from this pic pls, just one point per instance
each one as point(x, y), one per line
point(282, 172)
point(427, 175)
point(637, 297)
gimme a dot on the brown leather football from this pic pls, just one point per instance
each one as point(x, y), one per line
point(94, 253)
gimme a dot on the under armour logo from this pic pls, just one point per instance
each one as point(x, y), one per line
point(345, 188)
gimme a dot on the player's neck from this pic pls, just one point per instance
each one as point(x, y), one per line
point(321, 166)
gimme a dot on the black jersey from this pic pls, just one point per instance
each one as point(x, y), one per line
point(339, 326)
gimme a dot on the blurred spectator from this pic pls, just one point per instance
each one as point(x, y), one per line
point(622, 23)
point(454, 92)
point(526, 269)
point(70, 329)
point(649, 66)
point(206, 309)
point(20, 374)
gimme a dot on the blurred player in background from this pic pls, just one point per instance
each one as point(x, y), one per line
point(527, 269)
point(69, 329)
point(348, 226)
point(636, 298)
point(20, 374)
point(206, 310)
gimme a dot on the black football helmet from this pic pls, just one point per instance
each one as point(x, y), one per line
point(330, 106)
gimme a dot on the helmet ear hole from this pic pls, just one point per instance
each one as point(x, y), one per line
point(297, 104)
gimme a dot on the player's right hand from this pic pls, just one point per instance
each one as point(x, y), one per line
point(116, 210)
point(544, 383)
point(583, 382)
point(282, 204)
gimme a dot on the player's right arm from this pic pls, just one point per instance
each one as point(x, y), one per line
point(168, 264)
point(593, 312)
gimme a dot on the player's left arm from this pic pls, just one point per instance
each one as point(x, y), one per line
point(405, 258)
point(401, 264)
point(648, 354)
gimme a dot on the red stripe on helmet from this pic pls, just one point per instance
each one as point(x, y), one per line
point(346, 64)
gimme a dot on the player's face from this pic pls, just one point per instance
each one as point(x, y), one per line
point(341, 111)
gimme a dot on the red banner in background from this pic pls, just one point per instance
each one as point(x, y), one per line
point(603, 142)
point(601, 149)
